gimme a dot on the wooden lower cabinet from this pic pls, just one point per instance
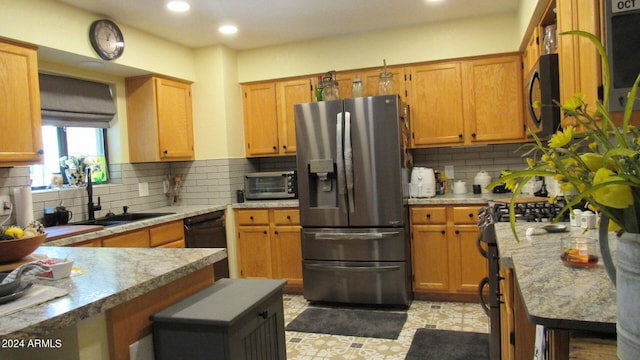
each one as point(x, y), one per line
point(446, 262)
point(269, 245)
point(517, 332)
point(167, 235)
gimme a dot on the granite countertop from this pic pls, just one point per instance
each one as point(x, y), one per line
point(556, 295)
point(112, 276)
point(179, 213)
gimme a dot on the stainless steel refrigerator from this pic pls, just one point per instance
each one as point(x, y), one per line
point(352, 180)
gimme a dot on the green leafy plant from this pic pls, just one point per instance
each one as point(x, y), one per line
point(600, 164)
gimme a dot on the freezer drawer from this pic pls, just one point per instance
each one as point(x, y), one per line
point(370, 244)
point(383, 283)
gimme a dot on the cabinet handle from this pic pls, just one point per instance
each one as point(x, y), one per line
point(442, 232)
point(263, 314)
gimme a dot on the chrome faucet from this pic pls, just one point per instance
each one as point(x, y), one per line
point(91, 208)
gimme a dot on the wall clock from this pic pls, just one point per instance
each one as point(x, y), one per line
point(106, 39)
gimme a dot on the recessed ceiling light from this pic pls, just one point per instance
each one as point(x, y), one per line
point(178, 6)
point(228, 29)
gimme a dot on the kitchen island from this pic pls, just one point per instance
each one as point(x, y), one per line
point(556, 296)
point(112, 282)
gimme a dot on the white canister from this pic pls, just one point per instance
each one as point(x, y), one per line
point(574, 217)
point(483, 179)
point(459, 187)
point(588, 220)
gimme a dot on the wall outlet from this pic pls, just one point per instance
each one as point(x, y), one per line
point(448, 170)
point(143, 189)
point(5, 205)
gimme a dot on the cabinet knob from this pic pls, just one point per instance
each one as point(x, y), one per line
point(457, 232)
point(470, 215)
point(460, 136)
point(165, 152)
point(289, 217)
point(265, 232)
point(284, 147)
point(275, 147)
point(40, 152)
point(428, 216)
point(276, 232)
point(251, 217)
point(442, 232)
point(473, 135)
point(263, 314)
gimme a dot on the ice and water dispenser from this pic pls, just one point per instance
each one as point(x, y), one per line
point(322, 183)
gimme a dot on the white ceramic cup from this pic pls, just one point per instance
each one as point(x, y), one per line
point(588, 220)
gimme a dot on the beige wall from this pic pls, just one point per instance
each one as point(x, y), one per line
point(444, 40)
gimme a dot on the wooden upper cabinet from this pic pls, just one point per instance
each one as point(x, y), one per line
point(532, 51)
point(579, 62)
point(436, 104)
point(260, 119)
point(160, 121)
point(493, 101)
point(290, 93)
point(269, 122)
point(20, 117)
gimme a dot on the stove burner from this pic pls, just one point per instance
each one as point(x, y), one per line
point(529, 211)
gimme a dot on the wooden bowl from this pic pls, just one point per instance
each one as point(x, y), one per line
point(14, 250)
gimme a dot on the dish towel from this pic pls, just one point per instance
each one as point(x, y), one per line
point(34, 296)
point(26, 269)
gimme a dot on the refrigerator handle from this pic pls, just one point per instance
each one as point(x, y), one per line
point(348, 160)
point(340, 159)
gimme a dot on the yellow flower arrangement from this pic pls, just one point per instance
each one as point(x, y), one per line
point(600, 164)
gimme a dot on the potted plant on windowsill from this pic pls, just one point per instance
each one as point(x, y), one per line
point(600, 164)
point(75, 168)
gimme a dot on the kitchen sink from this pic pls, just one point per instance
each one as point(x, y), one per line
point(121, 219)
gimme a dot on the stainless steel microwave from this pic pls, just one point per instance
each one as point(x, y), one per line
point(542, 94)
point(271, 185)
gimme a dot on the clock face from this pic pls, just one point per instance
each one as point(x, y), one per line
point(106, 39)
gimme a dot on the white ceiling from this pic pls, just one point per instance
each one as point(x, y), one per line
point(272, 22)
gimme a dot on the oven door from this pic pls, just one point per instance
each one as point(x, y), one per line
point(542, 93)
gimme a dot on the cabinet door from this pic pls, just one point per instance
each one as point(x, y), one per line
point(493, 100)
point(260, 119)
point(20, 121)
point(531, 52)
point(133, 239)
point(287, 254)
point(578, 60)
point(436, 105)
point(254, 252)
point(290, 93)
point(175, 120)
point(468, 266)
point(172, 232)
point(430, 258)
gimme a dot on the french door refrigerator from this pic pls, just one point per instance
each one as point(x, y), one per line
point(352, 160)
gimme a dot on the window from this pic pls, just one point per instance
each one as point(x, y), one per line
point(75, 115)
point(70, 141)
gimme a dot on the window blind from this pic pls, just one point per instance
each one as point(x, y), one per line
point(73, 102)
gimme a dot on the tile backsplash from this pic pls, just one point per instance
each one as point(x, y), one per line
point(213, 182)
point(206, 182)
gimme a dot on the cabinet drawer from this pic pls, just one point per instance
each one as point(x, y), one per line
point(166, 233)
point(466, 214)
point(134, 239)
point(428, 215)
point(286, 217)
point(173, 244)
point(252, 217)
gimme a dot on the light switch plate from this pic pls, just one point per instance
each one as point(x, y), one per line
point(448, 171)
point(143, 189)
point(5, 202)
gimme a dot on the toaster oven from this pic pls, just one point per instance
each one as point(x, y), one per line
point(271, 185)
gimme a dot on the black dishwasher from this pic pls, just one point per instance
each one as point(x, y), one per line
point(208, 231)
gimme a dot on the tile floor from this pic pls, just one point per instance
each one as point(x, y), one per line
point(421, 314)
